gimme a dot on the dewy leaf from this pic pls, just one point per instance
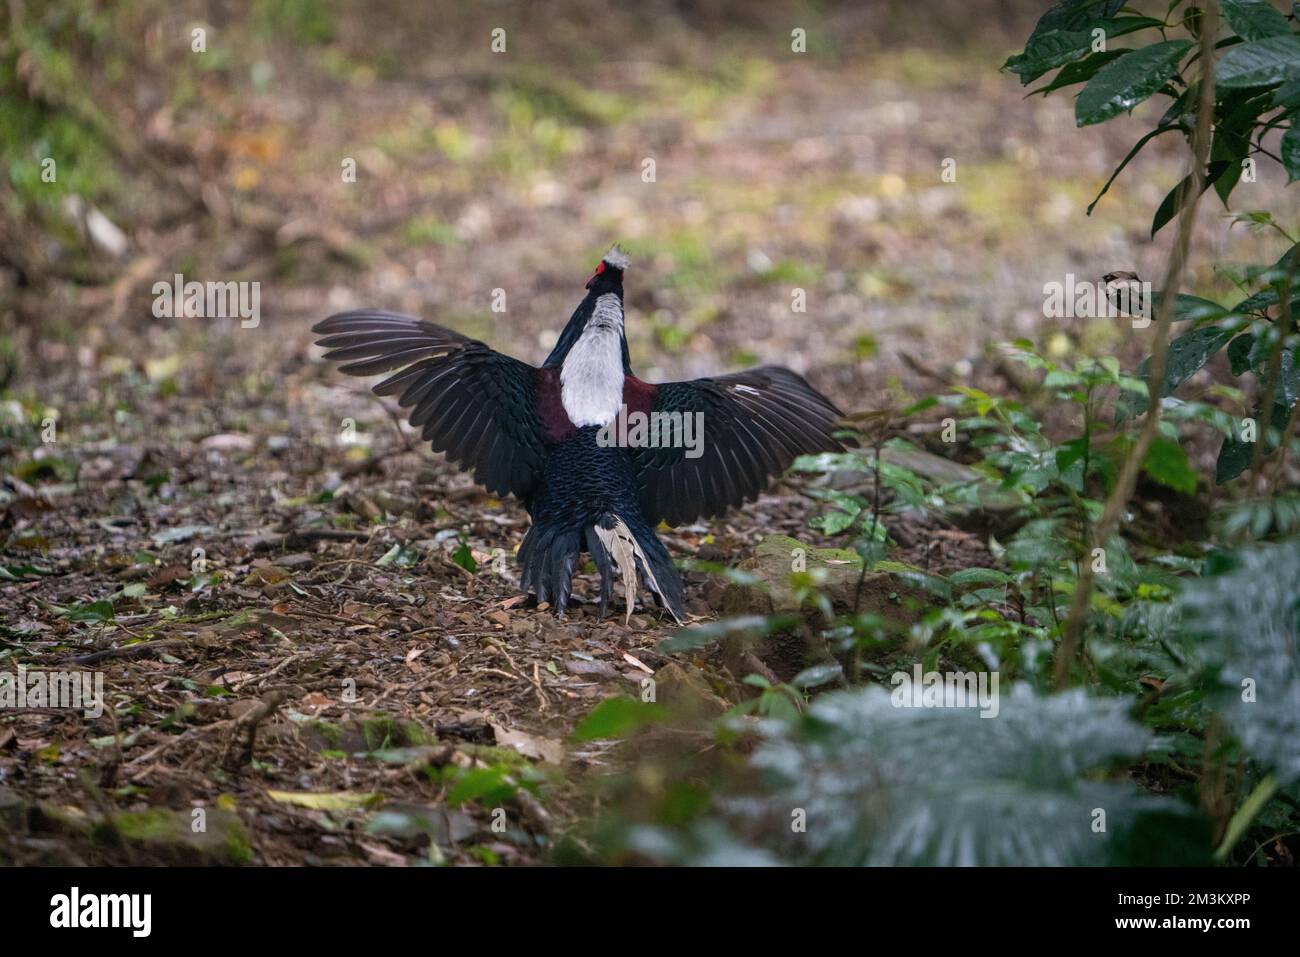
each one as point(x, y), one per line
point(1234, 457)
point(1264, 62)
point(1021, 788)
point(1245, 618)
point(1046, 52)
point(1254, 19)
point(1124, 83)
point(1239, 350)
point(1065, 33)
point(1190, 351)
point(1076, 14)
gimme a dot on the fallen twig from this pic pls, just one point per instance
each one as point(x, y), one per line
point(126, 651)
point(245, 726)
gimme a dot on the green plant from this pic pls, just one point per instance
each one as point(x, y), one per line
point(1256, 90)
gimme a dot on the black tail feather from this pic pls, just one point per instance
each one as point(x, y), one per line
point(549, 556)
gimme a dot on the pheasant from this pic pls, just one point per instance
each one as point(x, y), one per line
point(597, 456)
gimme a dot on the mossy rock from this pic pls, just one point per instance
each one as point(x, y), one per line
point(379, 732)
point(686, 692)
point(780, 565)
point(170, 836)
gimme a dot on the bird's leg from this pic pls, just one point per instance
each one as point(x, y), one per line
point(606, 590)
point(606, 568)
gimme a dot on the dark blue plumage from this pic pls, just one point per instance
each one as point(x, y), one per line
point(536, 433)
point(585, 486)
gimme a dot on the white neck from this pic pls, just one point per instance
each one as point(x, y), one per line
point(591, 379)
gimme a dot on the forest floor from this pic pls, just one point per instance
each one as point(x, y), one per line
point(272, 575)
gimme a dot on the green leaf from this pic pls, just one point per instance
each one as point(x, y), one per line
point(1265, 62)
point(492, 783)
point(1239, 350)
point(465, 558)
point(1166, 463)
point(1076, 14)
point(699, 636)
point(1254, 19)
point(1125, 82)
point(1190, 351)
point(1048, 51)
point(1234, 458)
point(1059, 378)
point(1287, 96)
point(1192, 307)
point(1178, 196)
point(1065, 33)
point(832, 523)
point(1137, 148)
point(979, 576)
point(1080, 71)
point(817, 675)
point(1040, 542)
point(19, 572)
point(400, 555)
point(1291, 150)
point(616, 718)
point(1235, 121)
point(90, 611)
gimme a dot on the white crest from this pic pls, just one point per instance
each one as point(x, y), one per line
point(617, 258)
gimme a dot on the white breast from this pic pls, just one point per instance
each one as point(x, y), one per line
point(591, 379)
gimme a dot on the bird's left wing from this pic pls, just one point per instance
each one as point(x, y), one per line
point(475, 404)
point(750, 426)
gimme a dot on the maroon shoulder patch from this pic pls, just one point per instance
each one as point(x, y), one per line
point(556, 426)
point(638, 396)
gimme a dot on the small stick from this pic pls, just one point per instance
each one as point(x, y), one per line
point(126, 651)
point(247, 724)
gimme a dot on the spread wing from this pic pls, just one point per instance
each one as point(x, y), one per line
point(754, 424)
point(475, 404)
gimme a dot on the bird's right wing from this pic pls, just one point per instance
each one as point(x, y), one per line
point(754, 425)
point(475, 404)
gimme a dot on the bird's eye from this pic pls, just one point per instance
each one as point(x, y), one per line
point(601, 268)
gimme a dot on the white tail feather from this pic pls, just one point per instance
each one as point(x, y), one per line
point(624, 552)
